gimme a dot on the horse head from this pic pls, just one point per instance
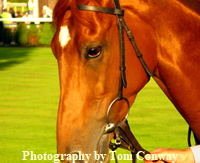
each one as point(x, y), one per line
point(98, 83)
point(86, 45)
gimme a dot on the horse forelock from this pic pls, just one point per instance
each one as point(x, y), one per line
point(59, 11)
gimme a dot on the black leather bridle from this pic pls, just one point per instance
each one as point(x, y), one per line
point(123, 135)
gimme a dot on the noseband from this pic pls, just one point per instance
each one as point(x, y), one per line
point(123, 135)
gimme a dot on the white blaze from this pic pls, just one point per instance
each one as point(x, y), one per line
point(64, 36)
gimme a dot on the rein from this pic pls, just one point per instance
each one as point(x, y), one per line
point(124, 139)
point(197, 141)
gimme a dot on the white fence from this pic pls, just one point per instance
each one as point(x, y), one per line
point(17, 6)
point(13, 21)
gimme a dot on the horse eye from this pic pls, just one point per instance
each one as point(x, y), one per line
point(94, 52)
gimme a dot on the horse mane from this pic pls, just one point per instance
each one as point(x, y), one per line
point(60, 9)
point(192, 4)
point(62, 6)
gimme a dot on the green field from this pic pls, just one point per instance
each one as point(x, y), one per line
point(29, 95)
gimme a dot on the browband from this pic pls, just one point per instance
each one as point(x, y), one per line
point(106, 10)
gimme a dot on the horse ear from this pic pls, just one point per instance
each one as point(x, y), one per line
point(66, 17)
point(59, 11)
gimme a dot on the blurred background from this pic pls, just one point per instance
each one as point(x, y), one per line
point(26, 22)
point(35, 6)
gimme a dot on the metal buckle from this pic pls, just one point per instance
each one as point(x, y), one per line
point(112, 103)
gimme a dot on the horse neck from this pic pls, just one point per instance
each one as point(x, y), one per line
point(166, 15)
point(174, 26)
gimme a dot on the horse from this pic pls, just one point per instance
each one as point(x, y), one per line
point(101, 74)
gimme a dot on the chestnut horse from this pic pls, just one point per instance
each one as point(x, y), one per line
point(86, 45)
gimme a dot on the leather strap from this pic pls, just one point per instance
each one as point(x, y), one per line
point(106, 10)
point(189, 137)
point(130, 138)
point(117, 4)
point(126, 140)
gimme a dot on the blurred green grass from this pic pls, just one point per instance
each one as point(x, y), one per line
point(29, 96)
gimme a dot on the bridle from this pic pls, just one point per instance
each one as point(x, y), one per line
point(123, 135)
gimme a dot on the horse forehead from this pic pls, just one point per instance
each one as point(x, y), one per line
point(64, 36)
